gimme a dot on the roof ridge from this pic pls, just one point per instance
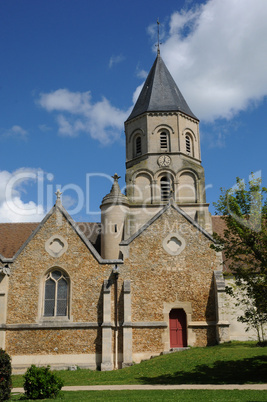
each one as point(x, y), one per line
point(171, 204)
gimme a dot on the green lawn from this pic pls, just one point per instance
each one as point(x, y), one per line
point(230, 363)
point(166, 395)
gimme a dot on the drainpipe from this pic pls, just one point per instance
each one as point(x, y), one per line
point(116, 275)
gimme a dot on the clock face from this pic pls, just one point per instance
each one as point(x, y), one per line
point(164, 160)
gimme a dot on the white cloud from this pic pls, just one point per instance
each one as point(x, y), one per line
point(12, 207)
point(217, 54)
point(142, 74)
point(77, 114)
point(44, 128)
point(137, 92)
point(15, 132)
point(115, 60)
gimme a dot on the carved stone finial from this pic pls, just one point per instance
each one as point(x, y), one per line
point(115, 196)
point(116, 177)
point(58, 194)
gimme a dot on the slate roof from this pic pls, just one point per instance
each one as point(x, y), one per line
point(14, 235)
point(160, 93)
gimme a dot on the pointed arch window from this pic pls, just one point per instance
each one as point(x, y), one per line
point(165, 188)
point(56, 294)
point(188, 144)
point(164, 141)
point(138, 146)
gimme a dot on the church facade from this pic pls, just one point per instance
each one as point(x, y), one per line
point(145, 280)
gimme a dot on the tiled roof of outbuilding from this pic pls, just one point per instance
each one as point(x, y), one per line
point(13, 235)
point(218, 225)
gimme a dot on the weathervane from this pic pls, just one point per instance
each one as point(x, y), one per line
point(159, 43)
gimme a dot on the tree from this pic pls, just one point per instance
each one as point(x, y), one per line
point(244, 245)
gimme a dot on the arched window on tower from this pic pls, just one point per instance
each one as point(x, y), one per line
point(165, 188)
point(164, 143)
point(138, 146)
point(56, 294)
point(188, 145)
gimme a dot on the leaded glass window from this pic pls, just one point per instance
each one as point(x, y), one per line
point(56, 294)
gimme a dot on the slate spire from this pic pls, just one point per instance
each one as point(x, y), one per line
point(160, 93)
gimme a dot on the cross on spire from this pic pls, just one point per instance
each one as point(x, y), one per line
point(158, 23)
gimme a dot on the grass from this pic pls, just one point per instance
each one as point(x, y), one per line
point(229, 363)
point(166, 395)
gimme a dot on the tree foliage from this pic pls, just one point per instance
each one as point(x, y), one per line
point(244, 245)
point(5, 376)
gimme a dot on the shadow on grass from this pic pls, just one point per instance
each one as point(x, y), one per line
point(244, 344)
point(251, 370)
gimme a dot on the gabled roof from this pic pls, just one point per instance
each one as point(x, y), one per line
point(171, 204)
point(14, 235)
point(160, 93)
point(27, 231)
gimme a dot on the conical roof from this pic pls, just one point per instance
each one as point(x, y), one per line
point(115, 196)
point(160, 93)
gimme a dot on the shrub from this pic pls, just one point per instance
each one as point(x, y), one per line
point(41, 383)
point(5, 376)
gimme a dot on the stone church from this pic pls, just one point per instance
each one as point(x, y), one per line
point(143, 281)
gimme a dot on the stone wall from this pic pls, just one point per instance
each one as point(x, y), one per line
point(26, 291)
point(151, 282)
point(54, 342)
point(179, 281)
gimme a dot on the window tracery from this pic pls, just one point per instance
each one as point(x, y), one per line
point(56, 294)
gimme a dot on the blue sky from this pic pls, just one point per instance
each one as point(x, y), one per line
point(69, 74)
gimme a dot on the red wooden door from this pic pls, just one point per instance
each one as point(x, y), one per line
point(178, 328)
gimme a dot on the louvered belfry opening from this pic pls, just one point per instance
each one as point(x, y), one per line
point(165, 188)
point(188, 144)
point(138, 146)
point(163, 140)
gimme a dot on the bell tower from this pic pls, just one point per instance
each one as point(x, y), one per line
point(163, 158)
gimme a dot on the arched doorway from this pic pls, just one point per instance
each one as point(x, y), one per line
point(177, 321)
